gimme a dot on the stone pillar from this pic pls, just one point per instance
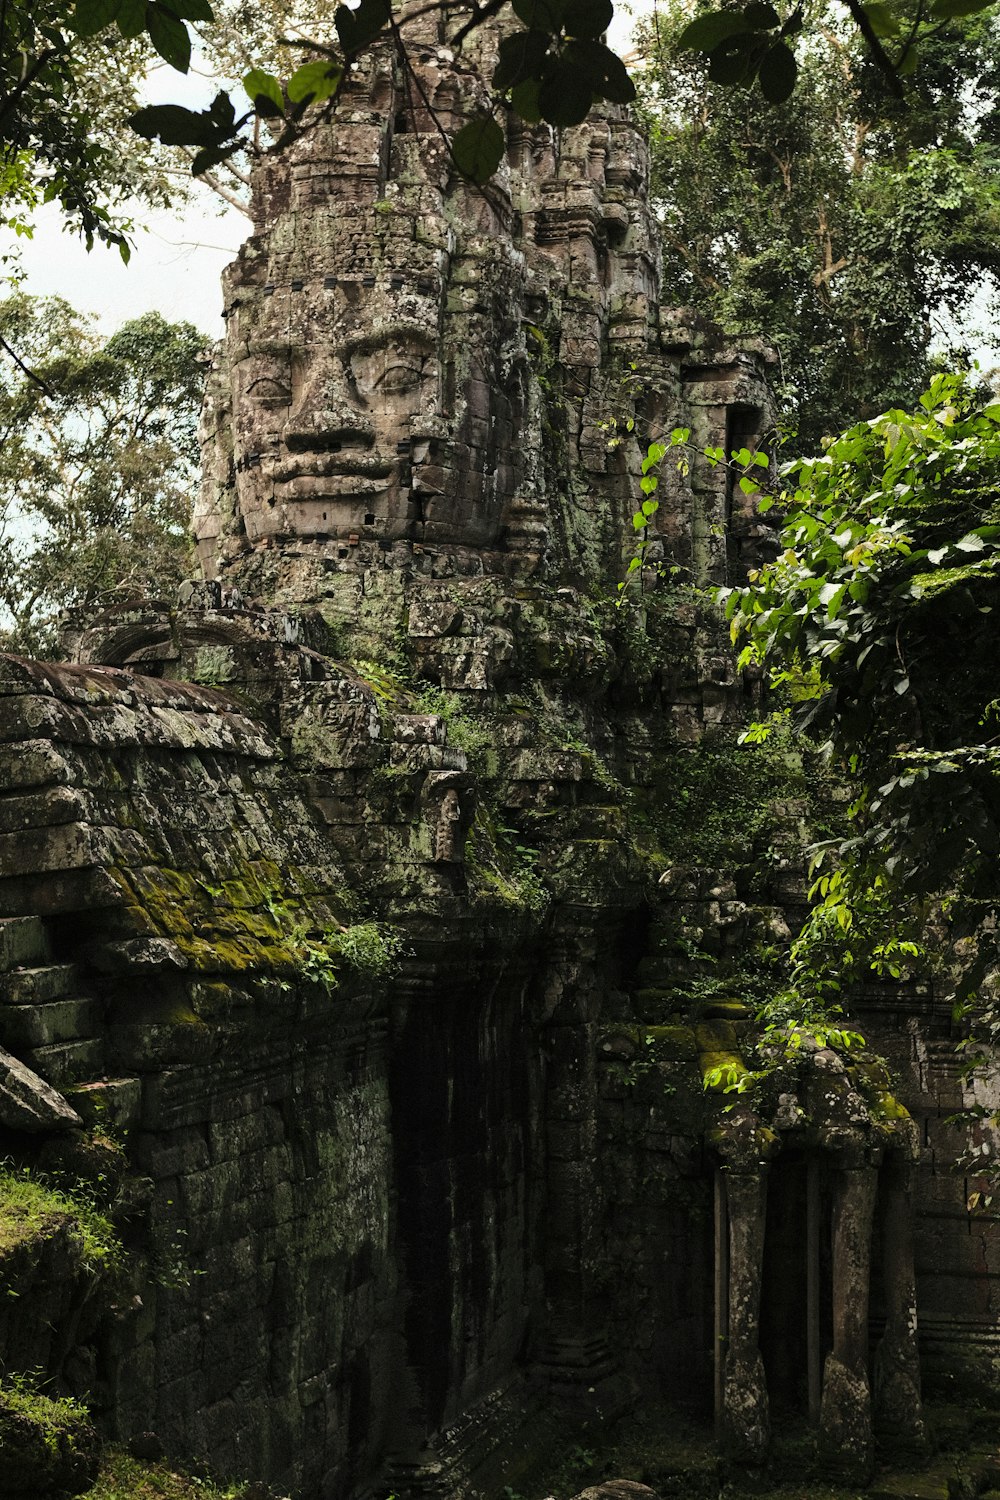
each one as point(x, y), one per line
point(814, 1356)
point(898, 1406)
point(574, 1354)
point(746, 1422)
point(720, 1320)
point(845, 1435)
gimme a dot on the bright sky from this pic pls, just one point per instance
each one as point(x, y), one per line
point(178, 255)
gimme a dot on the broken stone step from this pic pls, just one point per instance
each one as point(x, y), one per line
point(23, 940)
point(912, 1487)
point(36, 986)
point(28, 1103)
point(30, 1025)
point(61, 1063)
point(112, 1101)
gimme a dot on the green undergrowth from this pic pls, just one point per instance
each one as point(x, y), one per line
point(125, 1478)
point(53, 1415)
point(30, 1206)
point(677, 1456)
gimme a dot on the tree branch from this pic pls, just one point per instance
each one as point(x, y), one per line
point(35, 379)
point(882, 59)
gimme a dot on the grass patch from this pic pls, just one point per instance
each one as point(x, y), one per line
point(54, 1414)
point(125, 1478)
point(29, 1206)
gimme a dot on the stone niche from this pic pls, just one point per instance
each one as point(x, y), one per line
point(342, 889)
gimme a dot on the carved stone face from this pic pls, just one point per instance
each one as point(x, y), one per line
point(337, 412)
point(414, 366)
point(372, 384)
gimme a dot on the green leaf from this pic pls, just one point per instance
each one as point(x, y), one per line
point(357, 28)
point(883, 22)
point(91, 16)
point(314, 80)
point(174, 125)
point(478, 148)
point(566, 94)
point(761, 17)
point(222, 113)
point(190, 10)
point(587, 17)
point(602, 69)
point(907, 64)
point(733, 61)
point(168, 36)
point(777, 73)
point(524, 100)
point(209, 157)
point(704, 33)
point(521, 57)
point(261, 85)
point(540, 15)
point(131, 18)
point(946, 10)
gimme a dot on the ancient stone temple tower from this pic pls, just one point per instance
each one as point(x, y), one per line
point(422, 376)
point(369, 893)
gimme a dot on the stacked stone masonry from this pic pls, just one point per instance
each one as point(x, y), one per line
point(346, 897)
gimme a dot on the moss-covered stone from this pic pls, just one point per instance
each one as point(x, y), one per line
point(47, 1447)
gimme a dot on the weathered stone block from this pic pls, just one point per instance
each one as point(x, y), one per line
point(68, 847)
point(63, 1063)
point(37, 986)
point(23, 941)
point(110, 1103)
point(28, 1025)
point(28, 1103)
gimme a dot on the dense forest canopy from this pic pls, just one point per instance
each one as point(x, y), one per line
point(97, 464)
point(69, 77)
point(857, 232)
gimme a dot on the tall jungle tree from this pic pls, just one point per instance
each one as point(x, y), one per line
point(97, 463)
point(849, 227)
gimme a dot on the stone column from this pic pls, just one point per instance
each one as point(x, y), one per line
point(746, 1422)
point(720, 1319)
point(814, 1356)
point(845, 1435)
point(898, 1406)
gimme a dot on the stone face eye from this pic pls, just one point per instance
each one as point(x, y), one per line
point(269, 391)
point(390, 372)
point(401, 376)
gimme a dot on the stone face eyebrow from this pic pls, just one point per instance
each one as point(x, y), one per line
point(398, 337)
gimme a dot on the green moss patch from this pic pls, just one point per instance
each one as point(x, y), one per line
point(47, 1446)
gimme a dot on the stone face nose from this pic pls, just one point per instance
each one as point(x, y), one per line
point(325, 413)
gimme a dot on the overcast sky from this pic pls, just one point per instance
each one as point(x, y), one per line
point(177, 259)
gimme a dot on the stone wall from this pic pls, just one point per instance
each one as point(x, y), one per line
point(394, 894)
point(179, 880)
